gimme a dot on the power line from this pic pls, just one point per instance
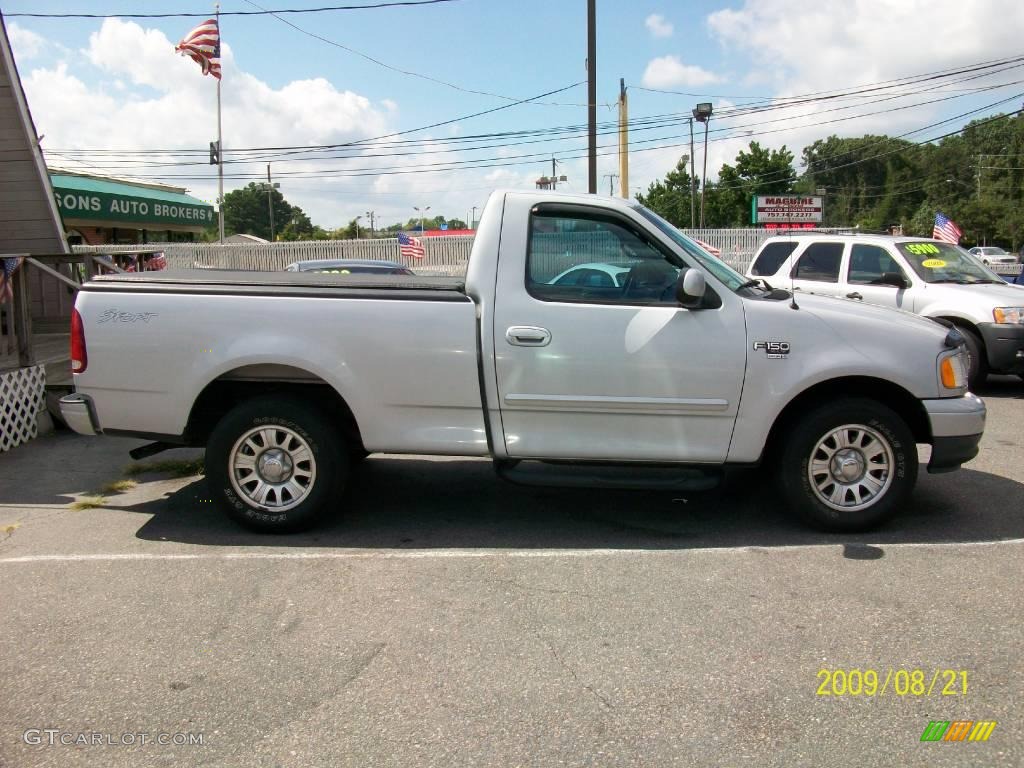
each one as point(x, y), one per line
point(611, 128)
point(367, 7)
point(727, 114)
point(384, 64)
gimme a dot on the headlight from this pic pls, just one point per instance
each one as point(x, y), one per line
point(1008, 315)
point(953, 370)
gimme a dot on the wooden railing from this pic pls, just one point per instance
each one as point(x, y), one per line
point(16, 315)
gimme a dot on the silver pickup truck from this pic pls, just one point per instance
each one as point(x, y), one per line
point(590, 343)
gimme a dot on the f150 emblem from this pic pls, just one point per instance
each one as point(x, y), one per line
point(776, 350)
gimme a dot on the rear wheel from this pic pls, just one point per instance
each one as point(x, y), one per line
point(977, 365)
point(275, 464)
point(848, 465)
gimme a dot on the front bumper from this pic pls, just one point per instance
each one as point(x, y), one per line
point(1004, 346)
point(80, 414)
point(957, 424)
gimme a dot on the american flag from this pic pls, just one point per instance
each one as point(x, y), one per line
point(202, 44)
point(945, 230)
point(410, 247)
point(8, 266)
point(157, 261)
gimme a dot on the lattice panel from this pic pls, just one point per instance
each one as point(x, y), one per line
point(22, 394)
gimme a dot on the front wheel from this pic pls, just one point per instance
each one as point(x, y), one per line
point(848, 465)
point(275, 464)
point(977, 365)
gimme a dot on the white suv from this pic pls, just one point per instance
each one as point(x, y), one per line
point(927, 277)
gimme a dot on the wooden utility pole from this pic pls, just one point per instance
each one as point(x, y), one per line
point(623, 141)
point(592, 94)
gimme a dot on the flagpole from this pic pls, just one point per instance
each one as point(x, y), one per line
point(220, 142)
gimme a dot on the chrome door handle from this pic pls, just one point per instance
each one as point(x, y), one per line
point(854, 295)
point(528, 336)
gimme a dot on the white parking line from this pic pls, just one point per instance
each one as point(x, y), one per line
point(430, 554)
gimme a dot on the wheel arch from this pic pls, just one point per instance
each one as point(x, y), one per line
point(891, 395)
point(229, 389)
point(959, 322)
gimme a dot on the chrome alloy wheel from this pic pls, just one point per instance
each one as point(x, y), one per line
point(272, 467)
point(851, 467)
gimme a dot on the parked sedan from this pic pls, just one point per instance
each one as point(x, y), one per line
point(594, 275)
point(350, 267)
point(991, 255)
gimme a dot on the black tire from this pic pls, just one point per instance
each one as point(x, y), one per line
point(884, 438)
point(977, 368)
point(303, 456)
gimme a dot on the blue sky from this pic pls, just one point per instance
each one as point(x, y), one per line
point(117, 85)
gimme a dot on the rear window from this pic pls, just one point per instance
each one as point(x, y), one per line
point(820, 262)
point(772, 257)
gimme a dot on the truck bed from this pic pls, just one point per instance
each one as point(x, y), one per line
point(313, 284)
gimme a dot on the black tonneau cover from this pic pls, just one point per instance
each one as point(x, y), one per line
point(313, 284)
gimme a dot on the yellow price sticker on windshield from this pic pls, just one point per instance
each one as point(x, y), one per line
point(933, 263)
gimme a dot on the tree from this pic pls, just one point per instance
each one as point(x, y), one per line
point(670, 198)
point(297, 226)
point(758, 171)
point(246, 211)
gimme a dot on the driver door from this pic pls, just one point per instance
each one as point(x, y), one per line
point(610, 370)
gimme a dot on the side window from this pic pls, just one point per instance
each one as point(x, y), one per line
point(576, 258)
point(820, 262)
point(771, 258)
point(868, 263)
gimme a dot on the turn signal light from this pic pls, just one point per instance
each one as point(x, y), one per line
point(952, 373)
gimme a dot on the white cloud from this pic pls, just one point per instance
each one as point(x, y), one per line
point(658, 26)
point(169, 104)
point(670, 72)
point(25, 43)
point(819, 45)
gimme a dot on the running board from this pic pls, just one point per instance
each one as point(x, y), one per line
point(618, 476)
point(150, 449)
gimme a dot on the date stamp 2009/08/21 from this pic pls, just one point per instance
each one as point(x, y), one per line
point(892, 682)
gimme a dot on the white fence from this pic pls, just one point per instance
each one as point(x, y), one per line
point(445, 255)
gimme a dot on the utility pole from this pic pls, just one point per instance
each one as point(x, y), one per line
point(370, 215)
point(269, 199)
point(592, 95)
point(472, 219)
point(554, 178)
point(611, 183)
point(693, 179)
point(623, 140)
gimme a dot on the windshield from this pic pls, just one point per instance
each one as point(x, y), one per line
point(732, 279)
point(937, 262)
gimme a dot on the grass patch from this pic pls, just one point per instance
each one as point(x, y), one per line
point(118, 486)
point(172, 467)
point(89, 502)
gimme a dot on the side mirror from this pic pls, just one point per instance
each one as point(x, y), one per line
point(690, 288)
point(894, 279)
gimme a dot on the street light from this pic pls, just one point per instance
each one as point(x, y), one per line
point(421, 215)
point(357, 226)
point(702, 114)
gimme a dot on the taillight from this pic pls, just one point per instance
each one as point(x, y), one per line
point(79, 358)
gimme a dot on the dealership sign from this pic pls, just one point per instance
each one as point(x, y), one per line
point(785, 209)
point(104, 206)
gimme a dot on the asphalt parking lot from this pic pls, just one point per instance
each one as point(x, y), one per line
point(448, 619)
